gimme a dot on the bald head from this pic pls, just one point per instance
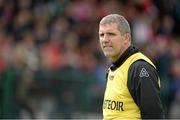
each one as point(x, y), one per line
point(122, 23)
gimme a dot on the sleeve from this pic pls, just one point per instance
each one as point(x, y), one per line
point(144, 88)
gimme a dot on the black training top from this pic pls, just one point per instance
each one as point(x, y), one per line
point(144, 90)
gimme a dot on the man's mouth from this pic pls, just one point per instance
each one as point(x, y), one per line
point(107, 47)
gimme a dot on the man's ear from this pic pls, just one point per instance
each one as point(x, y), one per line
point(127, 37)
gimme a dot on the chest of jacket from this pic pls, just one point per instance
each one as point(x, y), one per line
point(118, 102)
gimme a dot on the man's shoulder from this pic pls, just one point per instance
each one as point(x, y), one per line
point(141, 63)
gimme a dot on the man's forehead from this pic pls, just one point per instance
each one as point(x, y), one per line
point(108, 26)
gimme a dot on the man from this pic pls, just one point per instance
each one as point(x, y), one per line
point(133, 86)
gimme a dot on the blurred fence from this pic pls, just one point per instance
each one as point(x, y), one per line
point(53, 94)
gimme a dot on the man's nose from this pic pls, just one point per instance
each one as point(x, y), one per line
point(106, 38)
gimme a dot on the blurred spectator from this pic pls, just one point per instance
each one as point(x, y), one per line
point(175, 89)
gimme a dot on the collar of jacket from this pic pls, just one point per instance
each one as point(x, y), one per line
point(130, 51)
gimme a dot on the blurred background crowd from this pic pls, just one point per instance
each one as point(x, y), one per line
point(51, 64)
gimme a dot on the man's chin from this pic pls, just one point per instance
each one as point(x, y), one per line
point(111, 57)
point(108, 56)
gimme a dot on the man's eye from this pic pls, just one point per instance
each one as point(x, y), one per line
point(101, 34)
point(111, 34)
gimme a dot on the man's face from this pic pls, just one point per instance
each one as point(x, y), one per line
point(111, 41)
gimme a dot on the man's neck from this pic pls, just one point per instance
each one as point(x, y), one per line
point(127, 53)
